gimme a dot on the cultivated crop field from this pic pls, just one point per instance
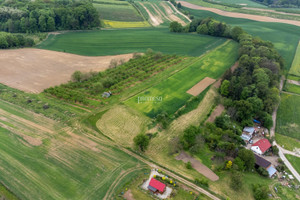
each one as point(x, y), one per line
point(295, 161)
point(117, 11)
point(160, 12)
point(295, 69)
point(292, 88)
point(33, 70)
point(173, 90)
point(246, 3)
point(52, 162)
point(115, 42)
point(284, 37)
point(288, 116)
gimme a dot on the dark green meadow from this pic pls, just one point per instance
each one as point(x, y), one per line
point(284, 37)
point(122, 41)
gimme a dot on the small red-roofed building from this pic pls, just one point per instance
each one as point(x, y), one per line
point(261, 146)
point(156, 186)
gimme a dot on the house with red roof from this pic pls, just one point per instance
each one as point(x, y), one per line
point(261, 146)
point(156, 186)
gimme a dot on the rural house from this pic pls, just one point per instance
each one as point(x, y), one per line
point(261, 146)
point(261, 162)
point(247, 133)
point(156, 186)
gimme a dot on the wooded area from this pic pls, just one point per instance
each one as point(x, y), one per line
point(25, 16)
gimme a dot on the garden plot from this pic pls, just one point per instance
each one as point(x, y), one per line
point(201, 86)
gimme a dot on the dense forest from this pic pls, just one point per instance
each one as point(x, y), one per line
point(26, 16)
point(281, 3)
point(9, 40)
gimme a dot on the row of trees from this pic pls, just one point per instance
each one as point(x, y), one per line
point(41, 16)
point(8, 40)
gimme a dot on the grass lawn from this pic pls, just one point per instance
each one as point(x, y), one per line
point(294, 78)
point(288, 116)
point(292, 88)
point(287, 142)
point(118, 12)
point(173, 90)
point(284, 37)
point(295, 161)
point(114, 42)
point(286, 193)
point(295, 69)
point(5, 194)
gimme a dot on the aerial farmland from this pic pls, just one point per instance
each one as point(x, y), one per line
point(149, 99)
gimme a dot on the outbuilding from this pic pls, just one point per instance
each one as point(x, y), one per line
point(156, 186)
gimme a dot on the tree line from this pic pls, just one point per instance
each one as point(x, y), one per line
point(25, 16)
point(251, 91)
point(8, 40)
point(280, 3)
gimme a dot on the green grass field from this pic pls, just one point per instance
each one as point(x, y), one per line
point(292, 88)
point(113, 42)
point(295, 161)
point(288, 116)
point(67, 164)
point(173, 90)
point(118, 12)
point(287, 142)
point(284, 37)
point(246, 3)
point(295, 69)
point(294, 78)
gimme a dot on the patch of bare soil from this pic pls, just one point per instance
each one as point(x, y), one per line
point(197, 165)
point(33, 70)
point(240, 15)
point(128, 195)
point(217, 112)
point(294, 82)
point(202, 85)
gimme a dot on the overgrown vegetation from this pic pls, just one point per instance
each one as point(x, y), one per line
point(8, 40)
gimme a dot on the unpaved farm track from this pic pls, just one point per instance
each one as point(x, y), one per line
point(240, 15)
point(33, 70)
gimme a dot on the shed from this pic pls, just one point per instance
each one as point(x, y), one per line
point(156, 186)
point(271, 170)
point(261, 162)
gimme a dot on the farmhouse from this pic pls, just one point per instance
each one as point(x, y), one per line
point(156, 186)
point(261, 162)
point(261, 146)
point(247, 133)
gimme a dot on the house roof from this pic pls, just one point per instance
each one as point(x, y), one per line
point(263, 144)
point(249, 129)
point(261, 161)
point(152, 188)
point(271, 170)
point(157, 185)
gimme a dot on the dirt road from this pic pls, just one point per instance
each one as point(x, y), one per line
point(240, 15)
point(33, 70)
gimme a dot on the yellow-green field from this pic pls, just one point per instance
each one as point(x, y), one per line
point(120, 24)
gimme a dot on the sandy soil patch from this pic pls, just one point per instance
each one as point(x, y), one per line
point(217, 112)
point(294, 82)
point(202, 85)
point(197, 165)
point(128, 195)
point(33, 70)
point(240, 15)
